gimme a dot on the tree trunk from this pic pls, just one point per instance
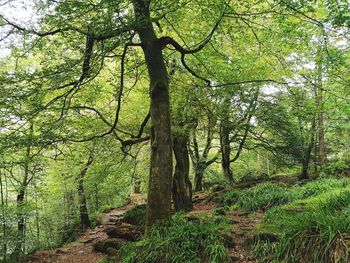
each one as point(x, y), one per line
point(307, 156)
point(182, 187)
point(198, 176)
point(316, 154)
point(320, 117)
point(3, 223)
point(226, 130)
point(225, 151)
point(160, 179)
point(304, 170)
point(83, 211)
point(137, 186)
point(20, 220)
point(200, 160)
point(97, 197)
point(37, 221)
point(20, 204)
point(69, 209)
point(319, 105)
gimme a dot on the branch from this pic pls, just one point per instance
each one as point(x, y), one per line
point(131, 142)
point(119, 97)
point(99, 114)
point(211, 124)
point(249, 81)
point(87, 57)
point(241, 144)
point(143, 125)
point(167, 40)
point(32, 31)
point(195, 146)
point(192, 72)
point(98, 37)
point(303, 14)
point(112, 33)
point(251, 108)
point(211, 161)
point(164, 41)
point(85, 73)
point(125, 143)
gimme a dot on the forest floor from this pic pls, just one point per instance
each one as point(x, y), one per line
point(241, 224)
point(82, 250)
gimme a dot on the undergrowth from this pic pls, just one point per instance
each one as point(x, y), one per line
point(319, 234)
point(136, 215)
point(268, 195)
point(179, 241)
point(339, 166)
point(318, 187)
point(106, 260)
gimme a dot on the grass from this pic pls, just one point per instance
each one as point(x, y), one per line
point(263, 197)
point(106, 260)
point(268, 195)
point(309, 221)
point(179, 241)
point(260, 197)
point(320, 233)
point(319, 186)
point(136, 215)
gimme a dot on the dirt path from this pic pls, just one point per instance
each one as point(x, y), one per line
point(240, 234)
point(82, 251)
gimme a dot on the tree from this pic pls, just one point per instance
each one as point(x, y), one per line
point(181, 123)
point(81, 64)
point(22, 188)
point(182, 186)
point(159, 191)
point(289, 125)
point(84, 215)
point(100, 35)
point(235, 128)
point(200, 155)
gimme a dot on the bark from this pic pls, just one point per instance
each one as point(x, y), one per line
point(320, 117)
point(200, 159)
point(304, 170)
point(160, 179)
point(225, 151)
point(97, 197)
point(137, 186)
point(83, 211)
point(21, 223)
point(182, 187)
point(316, 153)
point(307, 156)
point(70, 209)
point(225, 140)
point(225, 146)
point(198, 176)
point(3, 215)
point(320, 113)
point(37, 221)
